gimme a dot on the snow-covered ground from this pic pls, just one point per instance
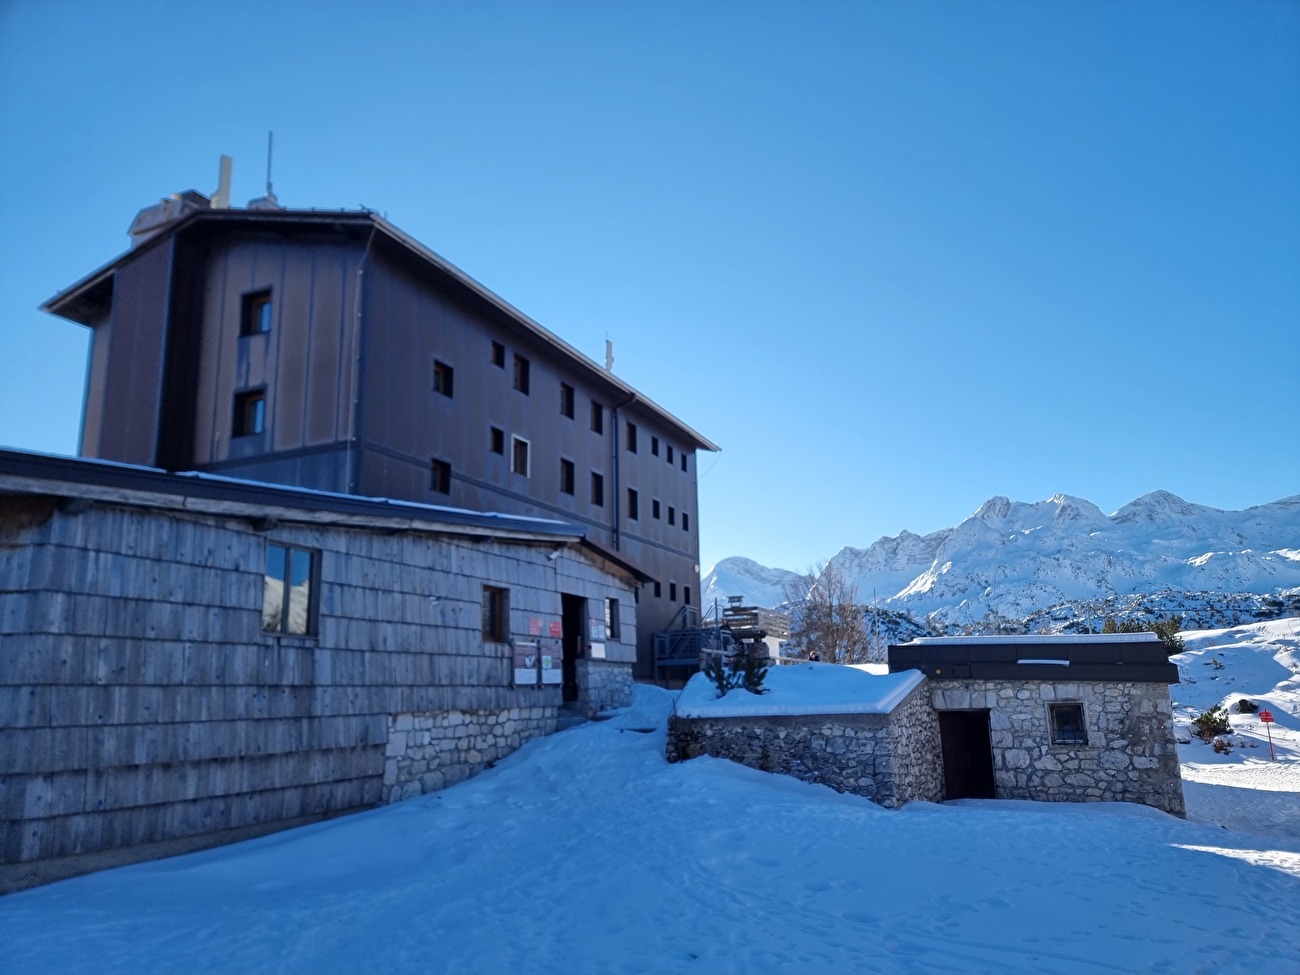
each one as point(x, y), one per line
point(587, 852)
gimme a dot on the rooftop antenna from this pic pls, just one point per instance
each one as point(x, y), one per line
point(270, 136)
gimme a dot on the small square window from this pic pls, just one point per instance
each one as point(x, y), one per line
point(566, 476)
point(288, 590)
point(1067, 724)
point(440, 476)
point(611, 619)
point(654, 446)
point(598, 489)
point(670, 453)
point(498, 355)
point(250, 413)
point(686, 522)
point(497, 440)
point(443, 376)
point(632, 506)
point(519, 456)
point(672, 515)
point(683, 460)
point(658, 591)
point(521, 374)
point(496, 614)
point(631, 437)
point(654, 508)
point(566, 400)
point(598, 418)
point(255, 313)
point(672, 592)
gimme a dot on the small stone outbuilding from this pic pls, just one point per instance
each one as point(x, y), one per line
point(1072, 718)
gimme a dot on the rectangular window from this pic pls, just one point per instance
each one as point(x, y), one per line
point(443, 376)
point(686, 522)
point(632, 507)
point(250, 413)
point(670, 453)
point(566, 476)
point(611, 619)
point(631, 437)
point(683, 459)
point(496, 614)
point(566, 400)
point(288, 588)
point(598, 418)
point(519, 456)
point(686, 595)
point(654, 508)
point(672, 591)
point(658, 591)
point(654, 446)
point(672, 515)
point(1067, 724)
point(498, 355)
point(440, 476)
point(497, 440)
point(597, 489)
point(255, 313)
point(521, 374)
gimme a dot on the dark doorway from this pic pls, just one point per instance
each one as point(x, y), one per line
point(573, 621)
point(967, 754)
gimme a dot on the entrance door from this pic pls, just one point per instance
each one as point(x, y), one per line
point(573, 621)
point(967, 754)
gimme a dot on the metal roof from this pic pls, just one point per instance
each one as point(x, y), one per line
point(77, 302)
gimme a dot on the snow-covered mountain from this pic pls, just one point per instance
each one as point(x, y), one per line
point(1050, 563)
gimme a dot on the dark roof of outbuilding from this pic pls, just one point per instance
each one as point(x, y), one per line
point(30, 473)
point(1137, 657)
point(84, 301)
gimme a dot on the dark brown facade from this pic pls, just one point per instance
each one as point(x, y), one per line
point(328, 350)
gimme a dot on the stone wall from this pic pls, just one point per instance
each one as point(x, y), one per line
point(889, 759)
point(1130, 755)
point(603, 684)
point(431, 751)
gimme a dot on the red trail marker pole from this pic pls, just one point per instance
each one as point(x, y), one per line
point(1266, 718)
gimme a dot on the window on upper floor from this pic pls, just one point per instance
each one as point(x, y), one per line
point(598, 489)
point(497, 440)
point(566, 400)
point(654, 446)
point(683, 460)
point(440, 476)
point(250, 413)
point(566, 476)
point(658, 590)
point(496, 614)
point(670, 453)
point(519, 456)
point(654, 508)
point(289, 587)
point(498, 355)
point(443, 378)
point(633, 506)
point(672, 515)
point(631, 437)
point(255, 312)
point(672, 592)
point(521, 374)
point(686, 522)
point(686, 594)
point(598, 418)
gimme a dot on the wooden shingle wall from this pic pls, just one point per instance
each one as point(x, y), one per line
point(141, 701)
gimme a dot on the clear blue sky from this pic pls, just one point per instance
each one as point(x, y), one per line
point(894, 258)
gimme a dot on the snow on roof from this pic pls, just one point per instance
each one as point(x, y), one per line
point(805, 688)
point(1034, 638)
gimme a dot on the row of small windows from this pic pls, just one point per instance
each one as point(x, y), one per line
point(672, 592)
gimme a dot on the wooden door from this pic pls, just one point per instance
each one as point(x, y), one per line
point(967, 755)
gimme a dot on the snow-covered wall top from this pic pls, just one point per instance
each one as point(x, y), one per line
point(1013, 558)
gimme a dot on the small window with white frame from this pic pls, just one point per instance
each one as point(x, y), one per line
point(1068, 727)
point(519, 456)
